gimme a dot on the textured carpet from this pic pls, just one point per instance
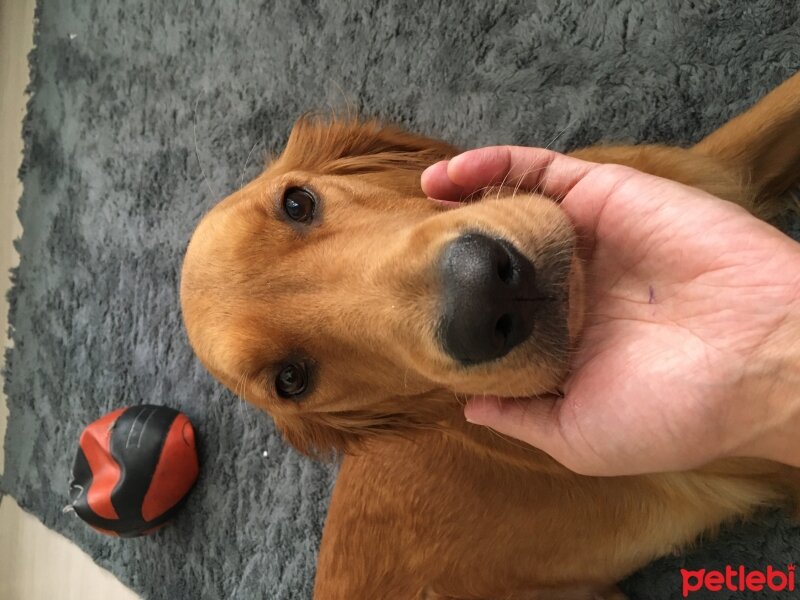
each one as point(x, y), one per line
point(144, 114)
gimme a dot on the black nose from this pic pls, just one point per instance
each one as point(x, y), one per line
point(485, 285)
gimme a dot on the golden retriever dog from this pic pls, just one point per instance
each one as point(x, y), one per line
point(359, 314)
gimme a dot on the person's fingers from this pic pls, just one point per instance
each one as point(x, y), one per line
point(536, 422)
point(437, 185)
point(532, 420)
point(534, 169)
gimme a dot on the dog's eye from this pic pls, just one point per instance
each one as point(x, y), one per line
point(299, 204)
point(292, 380)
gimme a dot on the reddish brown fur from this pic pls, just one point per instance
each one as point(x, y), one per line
point(427, 505)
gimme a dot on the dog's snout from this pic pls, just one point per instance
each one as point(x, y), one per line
point(486, 286)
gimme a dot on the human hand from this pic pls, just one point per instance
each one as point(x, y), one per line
point(691, 346)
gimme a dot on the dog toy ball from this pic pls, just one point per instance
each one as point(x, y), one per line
point(133, 470)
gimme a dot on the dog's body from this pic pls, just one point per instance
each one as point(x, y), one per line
point(427, 505)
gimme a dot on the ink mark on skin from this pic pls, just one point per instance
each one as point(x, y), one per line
point(652, 298)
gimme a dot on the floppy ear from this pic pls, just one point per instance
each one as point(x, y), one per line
point(317, 440)
point(332, 146)
point(326, 435)
point(322, 435)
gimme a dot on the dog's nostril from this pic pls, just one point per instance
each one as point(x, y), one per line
point(502, 328)
point(505, 270)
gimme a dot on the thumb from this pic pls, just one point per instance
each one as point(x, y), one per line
point(531, 420)
point(565, 179)
point(532, 169)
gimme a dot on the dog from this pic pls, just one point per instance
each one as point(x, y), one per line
point(359, 314)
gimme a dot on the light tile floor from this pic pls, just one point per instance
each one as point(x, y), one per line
point(35, 562)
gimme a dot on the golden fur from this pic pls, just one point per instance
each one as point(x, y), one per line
point(427, 505)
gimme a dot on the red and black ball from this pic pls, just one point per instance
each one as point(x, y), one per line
point(134, 469)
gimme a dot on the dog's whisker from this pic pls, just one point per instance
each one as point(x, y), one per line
point(214, 195)
point(238, 391)
point(522, 177)
point(505, 178)
point(246, 162)
point(569, 124)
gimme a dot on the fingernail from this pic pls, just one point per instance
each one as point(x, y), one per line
point(469, 411)
point(453, 162)
point(427, 169)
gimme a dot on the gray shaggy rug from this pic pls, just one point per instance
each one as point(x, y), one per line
point(144, 114)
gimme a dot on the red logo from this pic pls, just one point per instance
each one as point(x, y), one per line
point(739, 580)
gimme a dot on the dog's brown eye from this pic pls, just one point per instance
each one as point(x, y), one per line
point(299, 204)
point(292, 380)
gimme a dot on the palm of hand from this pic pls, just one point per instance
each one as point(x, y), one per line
point(680, 296)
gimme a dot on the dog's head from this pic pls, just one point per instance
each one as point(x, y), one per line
point(330, 292)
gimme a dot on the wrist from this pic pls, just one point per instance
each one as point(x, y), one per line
point(771, 389)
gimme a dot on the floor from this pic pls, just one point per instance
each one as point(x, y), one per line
point(35, 562)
